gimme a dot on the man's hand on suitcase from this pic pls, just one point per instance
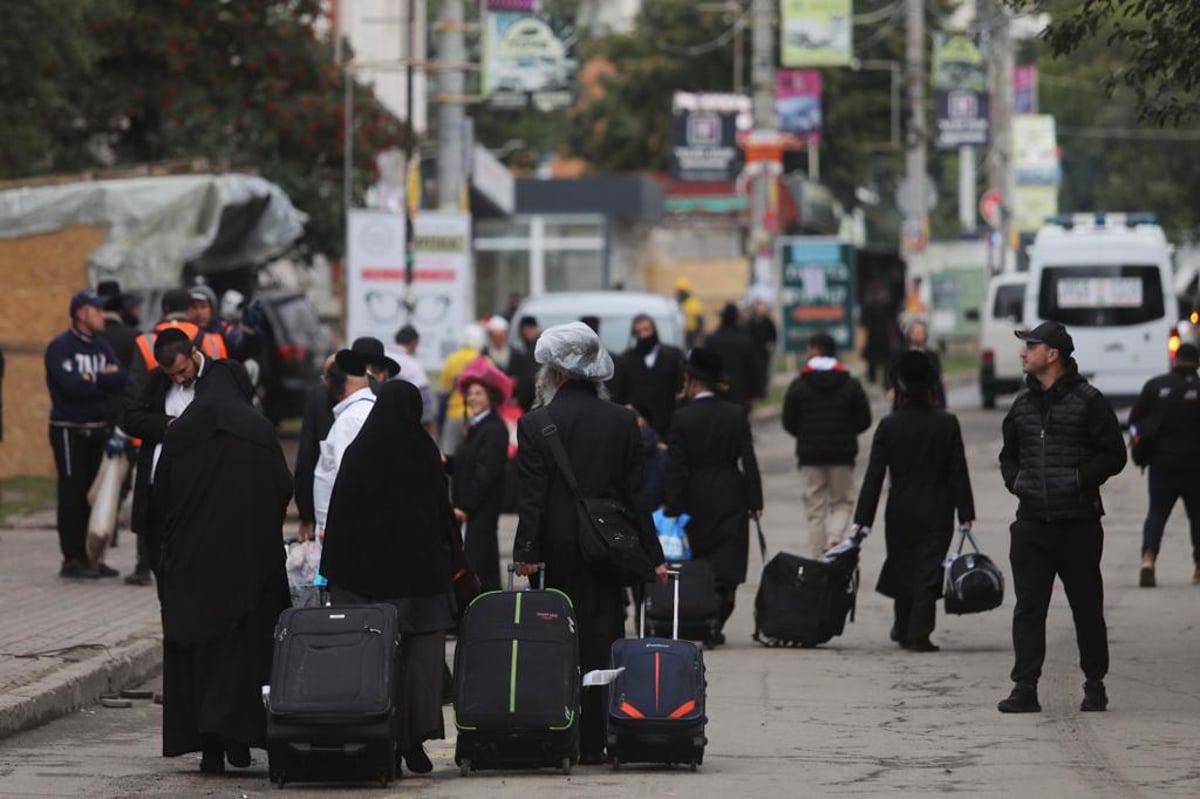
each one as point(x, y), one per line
point(525, 569)
point(660, 573)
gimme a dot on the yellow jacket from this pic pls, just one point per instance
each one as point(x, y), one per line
point(451, 369)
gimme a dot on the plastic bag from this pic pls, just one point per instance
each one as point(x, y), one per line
point(672, 536)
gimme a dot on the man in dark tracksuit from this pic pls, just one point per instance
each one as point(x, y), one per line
point(1061, 442)
point(1170, 404)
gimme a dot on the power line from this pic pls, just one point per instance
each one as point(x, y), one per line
point(709, 46)
point(1129, 134)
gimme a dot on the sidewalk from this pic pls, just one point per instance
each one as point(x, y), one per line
point(64, 643)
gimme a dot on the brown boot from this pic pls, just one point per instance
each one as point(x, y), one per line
point(1146, 576)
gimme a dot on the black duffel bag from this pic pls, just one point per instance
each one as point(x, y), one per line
point(974, 583)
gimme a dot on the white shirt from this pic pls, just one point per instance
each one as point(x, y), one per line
point(411, 370)
point(177, 400)
point(651, 357)
point(348, 418)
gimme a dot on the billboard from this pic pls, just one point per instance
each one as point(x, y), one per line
point(815, 33)
point(704, 130)
point(959, 75)
point(1025, 90)
point(529, 60)
point(817, 290)
point(962, 119)
point(798, 103)
point(375, 274)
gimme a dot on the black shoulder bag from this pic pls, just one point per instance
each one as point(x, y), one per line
point(608, 531)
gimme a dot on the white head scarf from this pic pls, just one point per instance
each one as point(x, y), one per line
point(575, 350)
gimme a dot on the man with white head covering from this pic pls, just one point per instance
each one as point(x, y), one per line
point(603, 447)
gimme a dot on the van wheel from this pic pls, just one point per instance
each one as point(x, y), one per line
point(989, 399)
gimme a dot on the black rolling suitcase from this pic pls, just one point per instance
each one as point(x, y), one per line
point(699, 608)
point(330, 711)
point(656, 708)
point(516, 682)
point(805, 601)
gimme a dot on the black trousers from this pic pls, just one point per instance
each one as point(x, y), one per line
point(77, 456)
point(726, 598)
point(1166, 487)
point(1069, 550)
point(914, 617)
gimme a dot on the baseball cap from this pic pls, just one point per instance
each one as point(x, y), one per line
point(86, 297)
point(1052, 334)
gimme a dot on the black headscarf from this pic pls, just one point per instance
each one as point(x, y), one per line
point(390, 523)
point(222, 404)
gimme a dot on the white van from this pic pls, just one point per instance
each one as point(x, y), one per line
point(615, 311)
point(999, 350)
point(1107, 277)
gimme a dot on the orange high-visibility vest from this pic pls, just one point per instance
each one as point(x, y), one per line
point(210, 344)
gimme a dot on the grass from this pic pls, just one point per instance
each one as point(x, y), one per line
point(20, 495)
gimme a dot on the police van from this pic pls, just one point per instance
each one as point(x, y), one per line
point(1107, 277)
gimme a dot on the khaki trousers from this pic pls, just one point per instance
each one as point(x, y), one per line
point(828, 504)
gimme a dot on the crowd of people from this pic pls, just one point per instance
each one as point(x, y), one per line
point(400, 491)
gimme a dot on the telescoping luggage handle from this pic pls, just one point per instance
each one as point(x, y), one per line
point(674, 574)
point(512, 571)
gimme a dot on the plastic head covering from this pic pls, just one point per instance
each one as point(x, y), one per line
point(575, 350)
point(473, 337)
point(497, 324)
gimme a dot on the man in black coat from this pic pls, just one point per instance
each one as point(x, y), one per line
point(917, 340)
point(742, 362)
point(712, 474)
point(314, 426)
point(1061, 442)
point(604, 450)
point(765, 335)
point(649, 374)
point(1167, 417)
point(825, 408)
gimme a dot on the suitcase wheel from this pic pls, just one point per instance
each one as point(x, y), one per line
point(464, 768)
point(693, 764)
point(566, 766)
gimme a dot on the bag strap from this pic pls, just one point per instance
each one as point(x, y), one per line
point(762, 540)
point(964, 536)
point(550, 433)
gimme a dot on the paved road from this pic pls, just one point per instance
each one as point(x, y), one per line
point(857, 717)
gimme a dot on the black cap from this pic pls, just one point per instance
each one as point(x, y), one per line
point(528, 321)
point(914, 373)
point(371, 350)
point(706, 366)
point(1052, 334)
point(1187, 353)
point(407, 335)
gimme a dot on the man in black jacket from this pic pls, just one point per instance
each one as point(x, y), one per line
point(1167, 416)
point(712, 474)
point(825, 408)
point(604, 451)
point(742, 362)
point(649, 374)
point(1061, 442)
point(314, 426)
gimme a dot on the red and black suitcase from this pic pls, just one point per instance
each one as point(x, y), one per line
point(656, 710)
point(516, 682)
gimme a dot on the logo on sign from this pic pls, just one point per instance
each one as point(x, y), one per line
point(703, 129)
point(963, 105)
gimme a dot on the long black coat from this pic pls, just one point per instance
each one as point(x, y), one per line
point(741, 359)
point(922, 451)
point(653, 389)
point(478, 489)
point(144, 417)
point(314, 426)
point(712, 474)
point(605, 452)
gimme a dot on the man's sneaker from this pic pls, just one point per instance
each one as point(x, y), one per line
point(1095, 698)
point(1023, 699)
point(1146, 575)
point(104, 570)
point(75, 570)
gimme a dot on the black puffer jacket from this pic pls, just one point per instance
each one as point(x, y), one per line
point(1060, 445)
point(826, 410)
point(1173, 401)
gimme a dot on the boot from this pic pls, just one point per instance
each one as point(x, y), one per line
point(1146, 576)
point(1095, 698)
point(1023, 699)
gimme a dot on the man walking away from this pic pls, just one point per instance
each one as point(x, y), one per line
point(736, 351)
point(1167, 416)
point(649, 374)
point(765, 335)
point(411, 371)
point(825, 409)
point(712, 474)
point(1061, 442)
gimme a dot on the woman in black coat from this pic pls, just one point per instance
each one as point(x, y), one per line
point(477, 468)
point(922, 449)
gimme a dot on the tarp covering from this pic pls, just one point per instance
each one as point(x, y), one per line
point(157, 224)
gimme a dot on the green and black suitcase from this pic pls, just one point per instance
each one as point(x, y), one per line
point(516, 689)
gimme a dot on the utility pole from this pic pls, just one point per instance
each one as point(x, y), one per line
point(916, 200)
point(452, 46)
point(762, 78)
point(1000, 158)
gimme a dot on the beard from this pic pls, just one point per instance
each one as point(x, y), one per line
point(545, 386)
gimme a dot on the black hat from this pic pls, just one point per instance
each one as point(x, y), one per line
point(1187, 353)
point(528, 321)
point(914, 373)
point(706, 366)
point(371, 350)
point(351, 362)
point(407, 335)
point(175, 301)
point(729, 315)
point(107, 288)
point(1052, 334)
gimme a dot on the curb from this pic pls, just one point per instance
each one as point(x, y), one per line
point(78, 685)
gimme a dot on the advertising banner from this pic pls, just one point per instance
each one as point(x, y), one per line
point(529, 60)
point(959, 75)
point(817, 290)
point(815, 33)
point(798, 103)
point(1035, 150)
point(962, 119)
point(704, 145)
point(1025, 90)
point(442, 289)
point(1031, 206)
point(375, 259)
point(958, 64)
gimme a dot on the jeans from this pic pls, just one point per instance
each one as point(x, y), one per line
point(1167, 486)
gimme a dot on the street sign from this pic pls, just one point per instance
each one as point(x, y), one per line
point(817, 290)
point(989, 207)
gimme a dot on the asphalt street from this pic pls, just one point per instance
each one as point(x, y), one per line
point(856, 717)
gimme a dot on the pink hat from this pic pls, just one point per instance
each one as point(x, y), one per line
point(483, 371)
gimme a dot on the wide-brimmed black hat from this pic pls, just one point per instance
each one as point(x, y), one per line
point(914, 373)
point(351, 362)
point(371, 349)
point(706, 366)
point(1052, 334)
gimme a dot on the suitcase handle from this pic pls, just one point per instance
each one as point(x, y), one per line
point(674, 609)
point(512, 570)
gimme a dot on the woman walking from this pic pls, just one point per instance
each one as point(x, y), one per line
point(921, 449)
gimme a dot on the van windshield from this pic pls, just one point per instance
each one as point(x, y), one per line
point(1101, 296)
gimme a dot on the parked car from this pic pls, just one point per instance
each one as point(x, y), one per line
point(294, 349)
point(614, 309)
point(999, 351)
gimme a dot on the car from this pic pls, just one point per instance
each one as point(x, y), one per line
point(295, 345)
point(999, 358)
point(614, 309)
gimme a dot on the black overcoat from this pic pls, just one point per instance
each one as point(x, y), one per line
point(478, 490)
point(712, 474)
point(144, 417)
point(652, 388)
point(921, 450)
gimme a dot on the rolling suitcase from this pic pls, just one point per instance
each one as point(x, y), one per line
point(656, 708)
point(974, 583)
point(330, 710)
point(805, 601)
point(699, 608)
point(516, 689)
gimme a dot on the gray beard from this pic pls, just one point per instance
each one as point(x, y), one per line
point(545, 387)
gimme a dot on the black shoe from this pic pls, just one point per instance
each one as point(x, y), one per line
point(922, 645)
point(894, 635)
point(138, 578)
point(237, 754)
point(75, 570)
point(1023, 699)
point(715, 640)
point(212, 761)
point(592, 759)
point(104, 570)
point(1095, 698)
point(417, 761)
